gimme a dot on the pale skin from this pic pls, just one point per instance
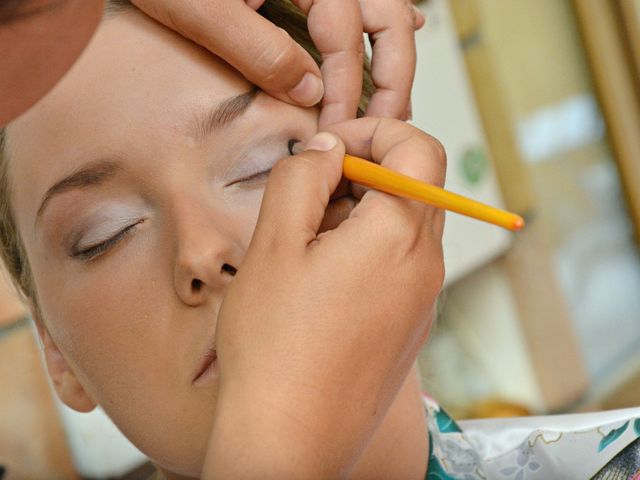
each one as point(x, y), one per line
point(46, 36)
point(314, 354)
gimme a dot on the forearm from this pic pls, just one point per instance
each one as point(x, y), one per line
point(400, 446)
point(257, 434)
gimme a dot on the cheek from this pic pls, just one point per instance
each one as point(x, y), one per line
point(99, 316)
point(120, 329)
point(245, 219)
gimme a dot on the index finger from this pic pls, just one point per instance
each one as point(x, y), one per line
point(396, 145)
point(265, 54)
point(400, 147)
point(391, 27)
point(336, 29)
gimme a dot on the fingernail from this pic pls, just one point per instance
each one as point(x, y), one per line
point(322, 142)
point(309, 91)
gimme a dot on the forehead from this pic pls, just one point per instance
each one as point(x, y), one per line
point(135, 81)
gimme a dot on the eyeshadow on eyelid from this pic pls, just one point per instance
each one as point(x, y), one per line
point(100, 220)
point(258, 156)
point(103, 232)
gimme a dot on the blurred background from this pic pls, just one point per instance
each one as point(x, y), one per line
point(538, 105)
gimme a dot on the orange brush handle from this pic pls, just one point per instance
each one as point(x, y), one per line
point(375, 176)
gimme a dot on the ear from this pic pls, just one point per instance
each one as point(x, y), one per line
point(65, 382)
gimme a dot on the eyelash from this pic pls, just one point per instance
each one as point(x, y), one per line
point(89, 253)
point(260, 175)
point(290, 144)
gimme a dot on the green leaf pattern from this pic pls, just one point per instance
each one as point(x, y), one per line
point(612, 436)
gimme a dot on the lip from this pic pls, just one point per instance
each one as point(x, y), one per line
point(207, 366)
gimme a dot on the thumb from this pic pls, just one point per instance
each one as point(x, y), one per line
point(265, 54)
point(298, 193)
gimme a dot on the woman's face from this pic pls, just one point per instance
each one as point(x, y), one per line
point(136, 185)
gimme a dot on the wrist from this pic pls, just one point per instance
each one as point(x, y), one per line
point(256, 435)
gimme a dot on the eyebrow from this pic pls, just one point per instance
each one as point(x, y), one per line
point(98, 172)
point(223, 114)
point(93, 173)
point(15, 11)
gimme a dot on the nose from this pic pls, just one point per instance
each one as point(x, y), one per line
point(207, 257)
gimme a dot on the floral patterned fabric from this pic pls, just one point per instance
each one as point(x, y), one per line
point(597, 446)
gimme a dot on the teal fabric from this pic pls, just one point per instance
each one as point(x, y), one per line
point(606, 451)
point(434, 468)
point(444, 424)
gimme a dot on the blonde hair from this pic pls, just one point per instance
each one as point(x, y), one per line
point(11, 249)
point(281, 12)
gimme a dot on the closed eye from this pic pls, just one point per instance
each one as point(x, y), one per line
point(252, 179)
point(260, 177)
point(93, 251)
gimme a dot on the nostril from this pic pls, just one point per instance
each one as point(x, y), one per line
point(196, 285)
point(231, 270)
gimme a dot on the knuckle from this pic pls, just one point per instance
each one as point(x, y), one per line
point(386, 14)
point(396, 231)
point(304, 5)
point(346, 54)
point(393, 222)
point(391, 129)
point(255, 4)
point(436, 149)
point(278, 56)
point(438, 153)
point(412, 15)
point(402, 13)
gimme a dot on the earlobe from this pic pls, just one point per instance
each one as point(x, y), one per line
point(72, 393)
point(65, 382)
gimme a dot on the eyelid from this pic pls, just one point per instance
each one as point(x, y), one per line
point(97, 247)
point(251, 178)
point(247, 178)
point(102, 229)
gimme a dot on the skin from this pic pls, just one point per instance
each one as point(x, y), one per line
point(341, 322)
point(34, 30)
point(128, 328)
point(285, 70)
point(47, 36)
